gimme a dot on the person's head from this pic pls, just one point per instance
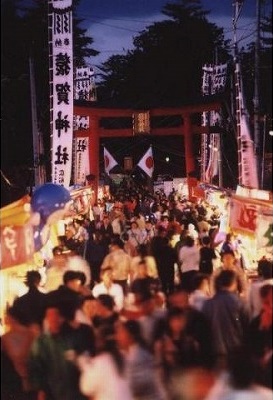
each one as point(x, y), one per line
point(128, 333)
point(178, 299)
point(107, 276)
point(78, 222)
point(162, 231)
point(265, 268)
point(229, 237)
point(116, 244)
point(206, 241)
point(176, 320)
point(54, 320)
point(201, 282)
point(105, 305)
point(134, 225)
point(142, 269)
point(74, 280)
point(228, 260)
point(33, 278)
point(89, 305)
point(15, 316)
point(189, 241)
point(106, 219)
point(226, 280)
point(59, 257)
point(57, 251)
point(145, 299)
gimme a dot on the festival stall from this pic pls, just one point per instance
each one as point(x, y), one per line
point(29, 231)
point(251, 219)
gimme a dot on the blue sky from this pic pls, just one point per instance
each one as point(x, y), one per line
point(113, 23)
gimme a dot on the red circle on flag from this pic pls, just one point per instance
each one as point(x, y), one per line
point(149, 162)
point(106, 161)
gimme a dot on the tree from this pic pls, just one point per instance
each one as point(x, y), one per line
point(164, 66)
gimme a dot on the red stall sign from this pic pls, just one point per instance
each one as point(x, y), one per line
point(17, 245)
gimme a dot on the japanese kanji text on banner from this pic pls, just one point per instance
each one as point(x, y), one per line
point(61, 89)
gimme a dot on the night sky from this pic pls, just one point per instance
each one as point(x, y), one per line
point(113, 24)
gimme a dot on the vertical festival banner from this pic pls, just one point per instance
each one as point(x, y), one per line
point(61, 89)
point(82, 166)
point(214, 81)
point(247, 163)
point(84, 84)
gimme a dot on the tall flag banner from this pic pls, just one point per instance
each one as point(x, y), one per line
point(214, 81)
point(82, 165)
point(61, 89)
point(109, 161)
point(84, 84)
point(213, 163)
point(247, 163)
point(146, 163)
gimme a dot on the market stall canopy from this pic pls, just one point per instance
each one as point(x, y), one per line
point(17, 213)
point(17, 245)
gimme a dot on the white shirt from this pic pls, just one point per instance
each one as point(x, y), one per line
point(115, 291)
point(100, 379)
point(190, 258)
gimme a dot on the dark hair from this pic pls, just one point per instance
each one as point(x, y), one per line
point(206, 240)
point(107, 301)
point(33, 278)
point(225, 279)
point(133, 327)
point(17, 313)
point(228, 251)
point(189, 241)
point(265, 268)
point(116, 241)
point(71, 275)
point(175, 312)
point(57, 250)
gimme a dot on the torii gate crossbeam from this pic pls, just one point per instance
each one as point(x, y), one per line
point(187, 129)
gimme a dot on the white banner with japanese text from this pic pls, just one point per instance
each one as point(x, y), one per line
point(82, 166)
point(84, 84)
point(61, 89)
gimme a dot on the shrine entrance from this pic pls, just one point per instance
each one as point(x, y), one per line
point(93, 122)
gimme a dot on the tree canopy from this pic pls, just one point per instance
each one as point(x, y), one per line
point(164, 68)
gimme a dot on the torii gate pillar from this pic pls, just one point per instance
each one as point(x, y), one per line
point(188, 144)
point(94, 152)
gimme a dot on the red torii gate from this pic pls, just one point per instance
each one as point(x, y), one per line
point(187, 129)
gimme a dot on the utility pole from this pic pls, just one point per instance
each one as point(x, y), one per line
point(256, 99)
point(39, 173)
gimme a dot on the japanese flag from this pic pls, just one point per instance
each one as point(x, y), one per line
point(109, 161)
point(147, 162)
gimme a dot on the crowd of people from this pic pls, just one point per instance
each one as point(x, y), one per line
point(144, 301)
